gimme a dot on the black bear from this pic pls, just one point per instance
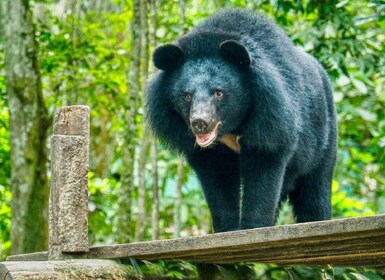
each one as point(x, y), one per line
point(253, 115)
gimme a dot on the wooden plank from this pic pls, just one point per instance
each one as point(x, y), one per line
point(318, 243)
point(345, 242)
point(367, 259)
point(65, 269)
point(38, 256)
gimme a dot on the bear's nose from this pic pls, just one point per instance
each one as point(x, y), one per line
point(199, 125)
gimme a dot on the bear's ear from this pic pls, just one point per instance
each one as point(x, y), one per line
point(168, 57)
point(235, 53)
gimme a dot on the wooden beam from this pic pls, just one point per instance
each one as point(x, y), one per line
point(345, 242)
point(66, 269)
point(31, 257)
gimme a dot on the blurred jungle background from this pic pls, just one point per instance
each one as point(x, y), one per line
point(98, 53)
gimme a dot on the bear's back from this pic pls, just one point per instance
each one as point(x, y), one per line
point(247, 25)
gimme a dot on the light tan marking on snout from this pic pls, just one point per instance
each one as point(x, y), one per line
point(231, 141)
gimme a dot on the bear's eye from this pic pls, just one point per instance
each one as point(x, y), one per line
point(187, 96)
point(218, 93)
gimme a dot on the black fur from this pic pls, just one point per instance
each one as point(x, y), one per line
point(276, 100)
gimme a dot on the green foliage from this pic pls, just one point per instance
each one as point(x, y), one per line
point(90, 57)
point(346, 205)
point(184, 270)
point(271, 272)
point(102, 208)
point(174, 270)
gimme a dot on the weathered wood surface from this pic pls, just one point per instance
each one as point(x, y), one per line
point(68, 207)
point(351, 242)
point(68, 269)
point(345, 242)
point(34, 257)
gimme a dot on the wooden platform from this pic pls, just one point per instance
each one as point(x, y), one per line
point(346, 242)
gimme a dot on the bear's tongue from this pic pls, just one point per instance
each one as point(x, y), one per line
point(205, 140)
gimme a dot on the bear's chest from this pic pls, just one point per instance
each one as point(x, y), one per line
point(231, 141)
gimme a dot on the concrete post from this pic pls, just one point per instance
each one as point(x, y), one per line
point(68, 207)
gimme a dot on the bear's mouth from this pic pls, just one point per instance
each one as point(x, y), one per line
point(206, 139)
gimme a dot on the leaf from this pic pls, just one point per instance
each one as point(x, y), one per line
point(367, 115)
point(360, 86)
point(363, 20)
point(342, 3)
point(343, 80)
point(330, 31)
point(338, 96)
point(359, 276)
point(381, 143)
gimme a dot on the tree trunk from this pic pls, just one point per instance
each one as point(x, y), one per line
point(124, 233)
point(180, 173)
point(101, 146)
point(182, 20)
point(142, 213)
point(145, 41)
point(178, 198)
point(154, 148)
point(155, 191)
point(28, 128)
point(145, 143)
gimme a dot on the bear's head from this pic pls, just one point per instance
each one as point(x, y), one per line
point(209, 90)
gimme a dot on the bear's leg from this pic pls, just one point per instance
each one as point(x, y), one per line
point(311, 198)
point(262, 174)
point(218, 172)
